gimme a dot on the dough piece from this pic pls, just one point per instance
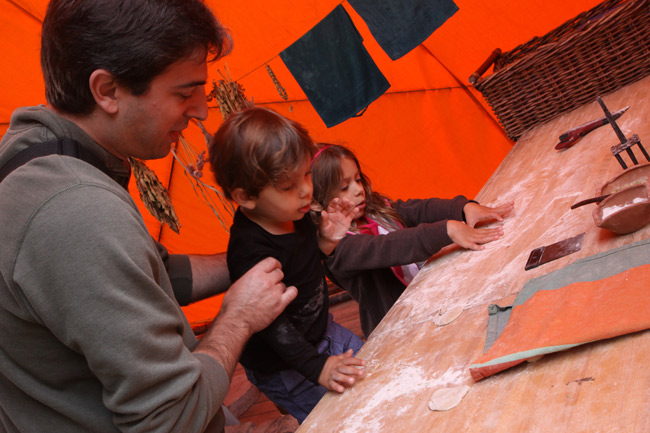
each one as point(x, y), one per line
point(445, 317)
point(447, 398)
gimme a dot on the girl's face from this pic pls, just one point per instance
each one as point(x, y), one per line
point(351, 186)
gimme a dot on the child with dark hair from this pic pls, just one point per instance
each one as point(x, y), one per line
point(389, 241)
point(262, 160)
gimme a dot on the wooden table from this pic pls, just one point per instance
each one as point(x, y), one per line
point(598, 387)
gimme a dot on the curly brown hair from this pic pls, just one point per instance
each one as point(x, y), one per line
point(256, 147)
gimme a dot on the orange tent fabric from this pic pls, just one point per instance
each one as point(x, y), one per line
point(430, 134)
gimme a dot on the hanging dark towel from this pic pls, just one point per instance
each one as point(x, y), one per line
point(334, 69)
point(401, 25)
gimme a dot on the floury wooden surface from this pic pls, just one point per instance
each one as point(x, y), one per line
point(599, 387)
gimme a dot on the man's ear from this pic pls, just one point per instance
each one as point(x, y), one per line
point(104, 89)
point(240, 197)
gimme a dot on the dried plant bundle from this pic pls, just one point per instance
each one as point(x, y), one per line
point(229, 95)
point(154, 195)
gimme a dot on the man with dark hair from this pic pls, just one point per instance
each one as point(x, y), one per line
point(92, 338)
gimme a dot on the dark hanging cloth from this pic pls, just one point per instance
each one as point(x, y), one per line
point(401, 25)
point(334, 69)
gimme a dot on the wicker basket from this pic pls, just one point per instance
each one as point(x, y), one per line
point(595, 53)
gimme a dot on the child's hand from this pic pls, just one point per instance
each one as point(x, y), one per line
point(341, 372)
point(468, 237)
point(335, 223)
point(476, 213)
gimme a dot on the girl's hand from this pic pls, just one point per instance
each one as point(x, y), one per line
point(335, 223)
point(341, 372)
point(476, 213)
point(468, 237)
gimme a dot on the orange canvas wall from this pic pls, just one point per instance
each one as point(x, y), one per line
point(430, 134)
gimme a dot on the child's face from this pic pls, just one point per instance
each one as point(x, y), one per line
point(277, 207)
point(351, 187)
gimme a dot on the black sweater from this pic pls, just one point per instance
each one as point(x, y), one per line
point(290, 341)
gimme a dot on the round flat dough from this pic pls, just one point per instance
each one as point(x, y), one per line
point(445, 317)
point(447, 398)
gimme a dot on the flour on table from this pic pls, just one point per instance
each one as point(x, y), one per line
point(379, 402)
point(609, 210)
point(447, 315)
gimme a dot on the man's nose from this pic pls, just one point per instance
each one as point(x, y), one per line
point(199, 107)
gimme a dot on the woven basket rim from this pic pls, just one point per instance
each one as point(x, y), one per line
point(611, 9)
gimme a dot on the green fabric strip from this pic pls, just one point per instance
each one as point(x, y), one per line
point(526, 354)
point(498, 317)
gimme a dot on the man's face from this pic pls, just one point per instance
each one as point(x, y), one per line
point(148, 124)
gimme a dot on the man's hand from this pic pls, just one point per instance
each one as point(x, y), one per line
point(259, 296)
point(249, 306)
point(341, 372)
point(467, 237)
